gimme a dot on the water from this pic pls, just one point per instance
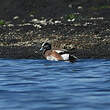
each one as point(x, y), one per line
point(48, 85)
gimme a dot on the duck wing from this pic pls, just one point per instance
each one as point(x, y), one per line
point(63, 51)
point(64, 54)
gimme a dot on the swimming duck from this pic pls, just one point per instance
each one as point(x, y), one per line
point(56, 55)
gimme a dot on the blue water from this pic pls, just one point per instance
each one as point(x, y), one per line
point(47, 85)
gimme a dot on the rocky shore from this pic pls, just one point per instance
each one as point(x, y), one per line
point(84, 36)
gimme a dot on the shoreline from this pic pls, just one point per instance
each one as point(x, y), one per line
point(85, 38)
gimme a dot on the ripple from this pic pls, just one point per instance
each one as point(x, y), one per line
point(29, 84)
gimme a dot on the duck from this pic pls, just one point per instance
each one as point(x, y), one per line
point(56, 55)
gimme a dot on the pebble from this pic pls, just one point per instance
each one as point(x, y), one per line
point(35, 20)
point(50, 21)
point(77, 24)
point(57, 22)
point(27, 24)
point(10, 25)
point(37, 25)
point(43, 22)
point(98, 18)
point(70, 6)
point(69, 20)
point(16, 17)
point(80, 7)
point(85, 24)
point(32, 16)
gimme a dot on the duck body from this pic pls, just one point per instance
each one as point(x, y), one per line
point(56, 55)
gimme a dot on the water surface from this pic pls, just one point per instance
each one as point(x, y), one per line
point(47, 85)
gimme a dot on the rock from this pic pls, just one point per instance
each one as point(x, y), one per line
point(27, 24)
point(51, 21)
point(16, 17)
point(70, 5)
point(32, 16)
point(10, 25)
point(43, 22)
point(71, 20)
point(37, 25)
point(35, 20)
point(57, 22)
point(80, 7)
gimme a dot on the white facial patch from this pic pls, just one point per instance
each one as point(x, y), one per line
point(43, 44)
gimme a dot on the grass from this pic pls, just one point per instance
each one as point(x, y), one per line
point(76, 17)
point(33, 12)
point(100, 7)
point(71, 16)
point(2, 22)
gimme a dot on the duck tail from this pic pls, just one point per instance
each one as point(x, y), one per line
point(72, 58)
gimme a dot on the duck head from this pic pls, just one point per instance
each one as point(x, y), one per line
point(45, 46)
